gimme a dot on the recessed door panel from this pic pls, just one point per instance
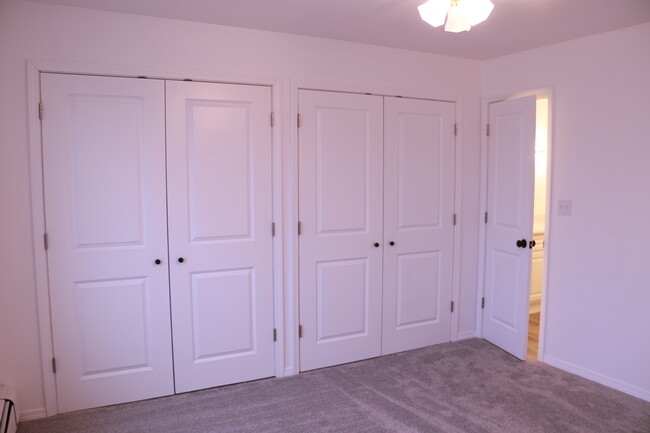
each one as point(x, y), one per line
point(419, 148)
point(223, 308)
point(104, 181)
point(342, 200)
point(219, 169)
point(342, 299)
point(219, 156)
point(511, 166)
point(340, 206)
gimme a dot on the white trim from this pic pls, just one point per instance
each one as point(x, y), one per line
point(292, 301)
point(480, 288)
point(465, 335)
point(32, 414)
point(34, 69)
point(627, 388)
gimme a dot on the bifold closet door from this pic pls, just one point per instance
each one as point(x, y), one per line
point(419, 147)
point(219, 156)
point(340, 210)
point(104, 184)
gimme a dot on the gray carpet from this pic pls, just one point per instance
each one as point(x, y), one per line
point(469, 386)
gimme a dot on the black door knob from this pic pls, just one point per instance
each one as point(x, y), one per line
point(158, 261)
point(522, 243)
point(376, 244)
point(531, 244)
point(181, 260)
point(391, 243)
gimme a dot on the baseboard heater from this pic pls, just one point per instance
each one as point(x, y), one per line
point(8, 412)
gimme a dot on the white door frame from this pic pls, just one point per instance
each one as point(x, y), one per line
point(292, 301)
point(34, 69)
point(480, 289)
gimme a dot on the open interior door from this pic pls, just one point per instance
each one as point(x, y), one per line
point(510, 193)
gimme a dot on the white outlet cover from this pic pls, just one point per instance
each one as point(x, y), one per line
point(564, 207)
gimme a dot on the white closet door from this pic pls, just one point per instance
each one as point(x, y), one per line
point(418, 223)
point(511, 174)
point(219, 154)
point(104, 175)
point(340, 209)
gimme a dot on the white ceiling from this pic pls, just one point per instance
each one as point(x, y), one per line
point(514, 25)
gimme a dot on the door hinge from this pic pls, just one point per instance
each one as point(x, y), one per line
point(299, 121)
point(275, 334)
point(485, 218)
point(487, 129)
point(40, 111)
point(54, 365)
point(272, 229)
point(299, 228)
point(455, 128)
point(272, 119)
point(483, 302)
point(454, 219)
point(452, 306)
point(46, 242)
point(299, 331)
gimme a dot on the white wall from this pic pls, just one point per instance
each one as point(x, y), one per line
point(598, 299)
point(38, 31)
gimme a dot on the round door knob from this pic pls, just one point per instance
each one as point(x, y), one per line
point(531, 244)
point(376, 244)
point(521, 243)
point(158, 261)
point(391, 243)
point(181, 260)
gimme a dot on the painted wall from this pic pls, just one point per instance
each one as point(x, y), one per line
point(38, 31)
point(598, 299)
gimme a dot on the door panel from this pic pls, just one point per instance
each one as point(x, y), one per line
point(219, 155)
point(340, 208)
point(418, 218)
point(104, 184)
point(511, 166)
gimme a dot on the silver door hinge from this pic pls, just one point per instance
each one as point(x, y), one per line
point(485, 218)
point(54, 365)
point(299, 121)
point(275, 334)
point(455, 128)
point(272, 119)
point(487, 129)
point(454, 219)
point(299, 228)
point(40, 111)
point(483, 303)
point(452, 306)
point(272, 229)
point(299, 331)
point(46, 243)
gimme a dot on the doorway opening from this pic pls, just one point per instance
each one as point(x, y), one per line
point(539, 225)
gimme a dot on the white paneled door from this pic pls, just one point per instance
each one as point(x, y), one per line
point(219, 155)
point(511, 174)
point(104, 181)
point(419, 147)
point(340, 209)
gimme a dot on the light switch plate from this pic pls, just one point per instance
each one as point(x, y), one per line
point(564, 207)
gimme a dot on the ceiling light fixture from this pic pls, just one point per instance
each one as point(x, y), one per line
point(461, 14)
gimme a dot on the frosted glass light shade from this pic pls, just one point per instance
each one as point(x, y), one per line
point(434, 11)
point(477, 10)
point(461, 14)
point(457, 20)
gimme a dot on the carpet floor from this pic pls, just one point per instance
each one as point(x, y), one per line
point(462, 387)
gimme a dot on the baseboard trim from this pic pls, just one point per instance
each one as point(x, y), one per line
point(616, 384)
point(32, 414)
point(466, 335)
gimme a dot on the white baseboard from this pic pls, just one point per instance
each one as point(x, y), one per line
point(535, 304)
point(616, 384)
point(465, 335)
point(26, 415)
